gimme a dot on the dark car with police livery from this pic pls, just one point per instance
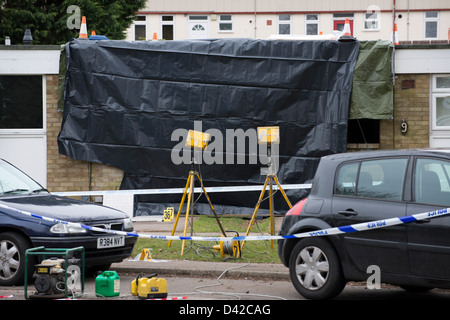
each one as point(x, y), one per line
point(21, 198)
point(365, 187)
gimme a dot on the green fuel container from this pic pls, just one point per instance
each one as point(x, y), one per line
point(107, 284)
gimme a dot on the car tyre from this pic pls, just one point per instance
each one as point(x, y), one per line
point(315, 269)
point(12, 258)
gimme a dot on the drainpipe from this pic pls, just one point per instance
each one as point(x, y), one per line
point(255, 17)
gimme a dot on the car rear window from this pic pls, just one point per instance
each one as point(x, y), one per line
point(380, 178)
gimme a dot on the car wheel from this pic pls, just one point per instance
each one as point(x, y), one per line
point(12, 258)
point(315, 269)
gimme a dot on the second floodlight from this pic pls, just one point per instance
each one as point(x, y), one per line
point(197, 139)
point(268, 135)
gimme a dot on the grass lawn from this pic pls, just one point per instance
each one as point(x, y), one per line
point(254, 251)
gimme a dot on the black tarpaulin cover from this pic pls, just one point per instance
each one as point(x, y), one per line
point(124, 101)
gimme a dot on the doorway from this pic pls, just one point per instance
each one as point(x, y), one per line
point(198, 27)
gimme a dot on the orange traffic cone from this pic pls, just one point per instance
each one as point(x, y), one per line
point(155, 36)
point(395, 35)
point(92, 33)
point(346, 33)
point(83, 29)
point(346, 30)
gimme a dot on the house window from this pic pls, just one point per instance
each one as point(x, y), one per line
point(198, 18)
point(21, 102)
point(431, 24)
point(140, 28)
point(312, 24)
point(440, 100)
point(339, 21)
point(363, 131)
point(167, 27)
point(284, 24)
point(225, 23)
point(371, 21)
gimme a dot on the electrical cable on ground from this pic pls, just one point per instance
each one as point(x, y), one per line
point(238, 295)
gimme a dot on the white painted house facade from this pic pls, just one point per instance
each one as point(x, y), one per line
point(369, 20)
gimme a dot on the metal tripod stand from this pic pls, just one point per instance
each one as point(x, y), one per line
point(189, 191)
point(269, 179)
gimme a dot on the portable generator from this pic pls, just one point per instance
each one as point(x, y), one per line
point(54, 278)
point(149, 287)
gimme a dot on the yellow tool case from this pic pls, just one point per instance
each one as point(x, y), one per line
point(149, 287)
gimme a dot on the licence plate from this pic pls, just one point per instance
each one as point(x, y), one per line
point(110, 242)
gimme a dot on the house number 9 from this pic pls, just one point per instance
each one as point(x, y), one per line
point(404, 127)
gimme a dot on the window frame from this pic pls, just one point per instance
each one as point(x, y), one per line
point(167, 23)
point(198, 17)
point(435, 94)
point(42, 130)
point(284, 22)
point(312, 22)
point(371, 20)
point(140, 23)
point(427, 20)
point(223, 22)
point(434, 83)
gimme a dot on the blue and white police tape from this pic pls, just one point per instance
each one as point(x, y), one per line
point(364, 226)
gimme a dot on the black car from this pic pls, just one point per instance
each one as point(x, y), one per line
point(19, 194)
point(362, 187)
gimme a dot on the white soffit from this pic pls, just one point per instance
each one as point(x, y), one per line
point(422, 61)
point(16, 62)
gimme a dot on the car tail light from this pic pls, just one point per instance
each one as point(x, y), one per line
point(297, 208)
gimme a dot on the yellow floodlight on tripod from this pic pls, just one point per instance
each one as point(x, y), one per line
point(268, 135)
point(197, 139)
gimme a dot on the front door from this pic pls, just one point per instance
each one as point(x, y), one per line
point(198, 27)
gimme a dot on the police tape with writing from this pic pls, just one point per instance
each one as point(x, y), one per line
point(324, 232)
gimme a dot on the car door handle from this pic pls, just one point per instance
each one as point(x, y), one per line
point(348, 213)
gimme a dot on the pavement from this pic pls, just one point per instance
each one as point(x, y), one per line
point(238, 268)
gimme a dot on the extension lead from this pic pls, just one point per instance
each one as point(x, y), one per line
point(324, 232)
